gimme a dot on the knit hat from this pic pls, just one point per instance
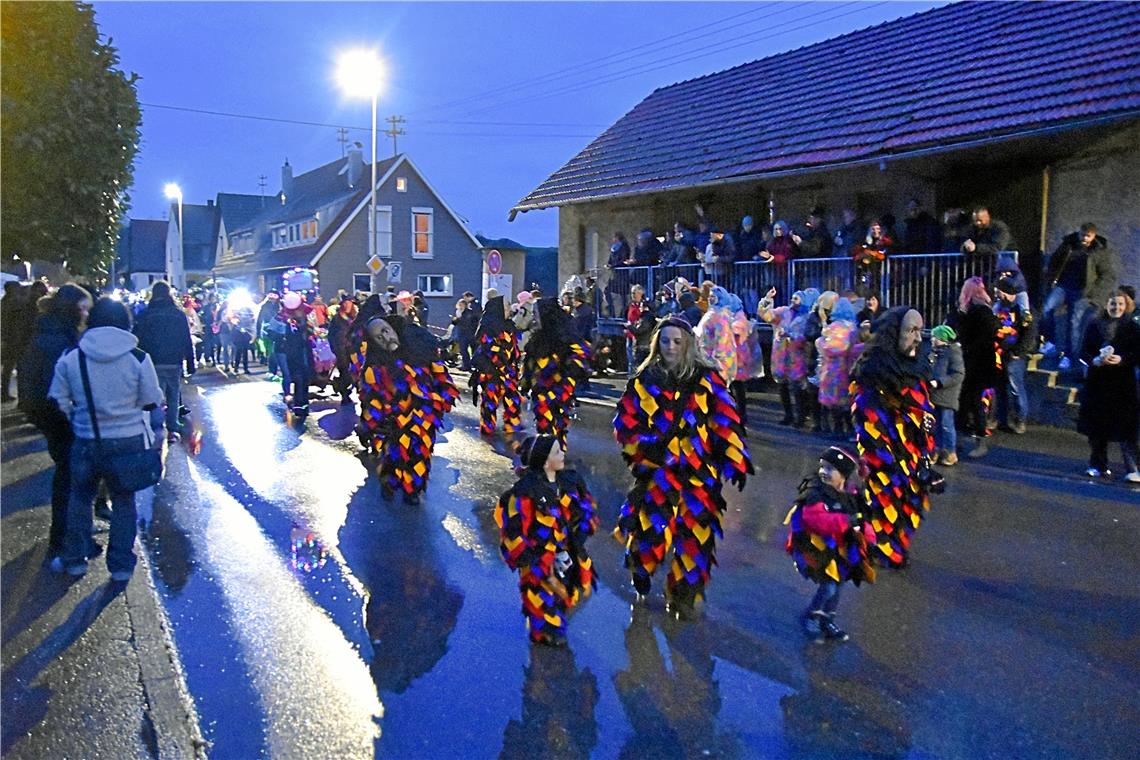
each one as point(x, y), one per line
point(840, 459)
point(945, 333)
point(535, 450)
point(1009, 286)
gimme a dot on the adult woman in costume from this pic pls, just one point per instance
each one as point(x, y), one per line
point(557, 358)
point(495, 374)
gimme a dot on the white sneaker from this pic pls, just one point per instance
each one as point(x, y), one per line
point(1064, 365)
point(1132, 477)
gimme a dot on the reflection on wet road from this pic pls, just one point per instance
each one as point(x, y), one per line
point(315, 619)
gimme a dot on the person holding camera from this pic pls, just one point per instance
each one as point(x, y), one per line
point(1110, 410)
point(894, 422)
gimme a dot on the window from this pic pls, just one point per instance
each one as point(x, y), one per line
point(361, 283)
point(384, 231)
point(401, 184)
point(434, 284)
point(421, 233)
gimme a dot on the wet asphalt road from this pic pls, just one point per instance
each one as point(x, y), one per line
point(315, 620)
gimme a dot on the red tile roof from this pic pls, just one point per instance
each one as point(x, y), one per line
point(952, 75)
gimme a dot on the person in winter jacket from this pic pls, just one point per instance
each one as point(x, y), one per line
point(945, 385)
point(1110, 409)
point(544, 521)
point(838, 347)
point(680, 435)
point(988, 236)
point(977, 328)
point(830, 538)
point(637, 307)
point(893, 418)
point(1081, 273)
point(124, 387)
point(17, 314)
point(57, 331)
point(294, 352)
point(749, 359)
point(813, 328)
point(340, 324)
point(164, 333)
point(1017, 340)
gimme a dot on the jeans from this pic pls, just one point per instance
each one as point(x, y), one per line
point(57, 431)
point(295, 380)
point(1016, 391)
point(630, 345)
point(283, 369)
point(1067, 331)
point(85, 475)
point(170, 380)
point(826, 597)
point(947, 435)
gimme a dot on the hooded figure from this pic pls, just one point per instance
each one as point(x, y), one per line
point(789, 350)
point(495, 369)
point(404, 392)
point(893, 418)
point(714, 335)
point(556, 360)
point(838, 347)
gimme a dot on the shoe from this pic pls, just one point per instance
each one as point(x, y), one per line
point(809, 622)
point(1018, 428)
point(121, 576)
point(412, 499)
point(642, 585)
point(1132, 477)
point(948, 459)
point(830, 630)
point(173, 437)
point(557, 642)
point(980, 449)
point(183, 410)
point(7, 397)
point(78, 570)
point(786, 421)
point(1064, 365)
point(1093, 472)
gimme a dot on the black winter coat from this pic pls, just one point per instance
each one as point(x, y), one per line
point(1109, 405)
point(977, 331)
point(1100, 267)
point(52, 338)
point(164, 333)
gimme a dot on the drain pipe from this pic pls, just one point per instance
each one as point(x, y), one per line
point(1044, 207)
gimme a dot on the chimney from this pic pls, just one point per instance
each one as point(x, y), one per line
point(210, 202)
point(287, 179)
point(355, 164)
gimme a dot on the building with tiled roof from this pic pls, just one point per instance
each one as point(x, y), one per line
point(1028, 107)
point(140, 254)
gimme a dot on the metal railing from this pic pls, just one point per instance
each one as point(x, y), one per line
point(930, 282)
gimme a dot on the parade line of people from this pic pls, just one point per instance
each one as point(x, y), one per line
point(870, 379)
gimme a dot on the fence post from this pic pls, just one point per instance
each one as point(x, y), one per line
point(885, 285)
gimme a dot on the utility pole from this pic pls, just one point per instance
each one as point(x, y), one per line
point(394, 130)
point(261, 182)
point(342, 138)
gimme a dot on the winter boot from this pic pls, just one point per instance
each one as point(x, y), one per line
point(810, 623)
point(786, 402)
point(830, 630)
point(981, 448)
point(641, 584)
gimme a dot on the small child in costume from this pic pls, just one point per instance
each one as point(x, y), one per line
point(544, 521)
point(828, 539)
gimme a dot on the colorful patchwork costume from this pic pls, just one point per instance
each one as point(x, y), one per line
point(679, 437)
point(556, 360)
point(543, 528)
point(495, 376)
point(894, 420)
point(821, 540)
point(403, 397)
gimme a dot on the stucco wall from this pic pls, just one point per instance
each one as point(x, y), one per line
point(454, 254)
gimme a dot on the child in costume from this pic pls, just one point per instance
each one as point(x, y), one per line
point(544, 521)
point(894, 419)
point(789, 351)
point(404, 392)
point(680, 435)
point(557, 359)
point(495, 376)
point(838, 346)
point(829, 539)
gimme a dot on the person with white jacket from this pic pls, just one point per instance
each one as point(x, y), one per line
point(124, 388)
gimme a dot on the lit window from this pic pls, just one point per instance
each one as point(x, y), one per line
point(421, 233)
point(434, 284)
point(384, 231)
point(401, 184)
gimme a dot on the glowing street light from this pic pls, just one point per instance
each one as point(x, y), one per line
point(173, 192)
point(360, 74)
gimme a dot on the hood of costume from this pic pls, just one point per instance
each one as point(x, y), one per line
point(881, 365)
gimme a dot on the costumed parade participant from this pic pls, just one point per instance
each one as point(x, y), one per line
point(556, 360)
point(789, 349)
point(404, 392)
point(838, 348)
point(294, 352)
point(495, 374)
point(544, 521)
point(829, 539)
point(680, 434)
point(894, 422)
point(714, 334)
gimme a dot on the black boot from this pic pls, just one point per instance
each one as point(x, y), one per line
point(641, 584)
point(800, 401)
point(786, 402)
point(810, 622)
point(830, 630)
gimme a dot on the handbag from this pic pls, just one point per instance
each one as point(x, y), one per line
point(126, 472)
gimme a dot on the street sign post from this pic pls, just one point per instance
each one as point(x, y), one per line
point(494, 262)
point(395, 272)
point(375, 266)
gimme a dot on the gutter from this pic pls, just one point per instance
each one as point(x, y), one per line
point(915, 153)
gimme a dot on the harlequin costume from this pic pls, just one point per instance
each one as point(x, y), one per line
point(404, 395)
point(495, 373)
point(556, 360)
point(679, 437)
point(894, 420)
point(543, 527)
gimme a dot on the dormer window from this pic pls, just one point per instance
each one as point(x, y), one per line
point(401, 184)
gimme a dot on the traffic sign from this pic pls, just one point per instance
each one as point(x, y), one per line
point(375, 264)
point(494, 262)
point(395, 272)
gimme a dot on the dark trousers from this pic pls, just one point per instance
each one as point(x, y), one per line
point(57, 431)
point(465, 342)
point(1098, 454)
point(826, 597)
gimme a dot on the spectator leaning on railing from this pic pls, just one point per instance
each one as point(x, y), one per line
point(815, 240)
point(849, 234)
point(988, 236)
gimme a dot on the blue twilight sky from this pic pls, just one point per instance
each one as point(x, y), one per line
point(497, 96)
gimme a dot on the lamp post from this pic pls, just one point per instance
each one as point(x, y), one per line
point(360, 74)
point(173, 192)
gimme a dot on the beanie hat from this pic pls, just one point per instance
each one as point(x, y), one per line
point(840, 459)
point(1009, 286)
point(535, 450)
point(945, 333)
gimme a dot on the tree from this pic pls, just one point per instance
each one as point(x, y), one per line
point(70, 135)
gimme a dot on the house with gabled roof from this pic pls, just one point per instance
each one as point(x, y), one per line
point(1032, 109)
point(319, 220)
point(140, 253)
point(201, 241)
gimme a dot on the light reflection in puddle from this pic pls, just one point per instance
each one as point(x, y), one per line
point(465, 537)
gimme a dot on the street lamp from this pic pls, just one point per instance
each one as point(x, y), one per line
point(360, 74)
point(173, 191)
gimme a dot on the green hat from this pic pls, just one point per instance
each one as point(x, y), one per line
point(945, 333)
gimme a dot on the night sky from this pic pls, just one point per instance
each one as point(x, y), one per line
point(497, 95)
